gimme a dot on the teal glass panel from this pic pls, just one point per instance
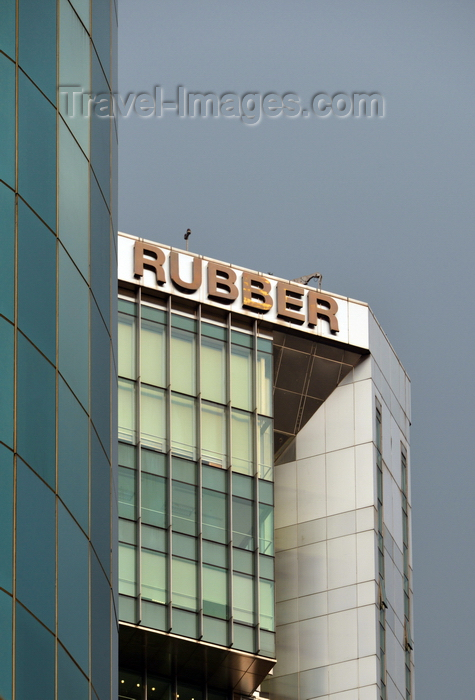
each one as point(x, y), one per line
point(183, 322)
point(82, 7)
point(154, 616)
point(100, 251)
point(127, 307)
point(266, 567)
point(127, 456)
point(154, 500)
point(184, 546)
point(36, 281)
point(100, 377)
point(243, 339)
point(74, 73)
point(6, 520)
point(73, 589)
point(5, 646)
point(184, 508)
point(127, 410)
point(215, 631)
point(185, 584)
point(216, 554)
point(265, 447)
point(35, 652)
point(214, 478)
point(100, 129)
point(243, 486)
point(153, 353)
point(183, 420)
point(243, 598)
point(267, 644)
point(153, 414)
point(7, 246)
point(126, 346)
point(243, 561)
point(73, 455)
point(266, 604)
point(127, 493)
point(266, 492)
point(72, 684)
point(73, 200)
point(242, 442)
point(154, 538)
point(264, 345)
point(37, 143)
point(7, 29)
point(154, 462)
point(184, 470)
point(101, 21)
point(266, 529)
point(243, 523)
point(244, 638)
point(35, 546)
point(214, 516)
point(127, 531)
point(212, 331)
point(264, 383)
point(241, 378)
point(215, 592)
point(100, 630)
point(36, 410)
point(73, 328)
point(183, 361)
point(154, 576)
point(185, 623)
point(100, 503)
point(7, 117)
point(37, 37)
point(127, 570)
point(6, 393)
point(127, 611)
point(152, 314)
point(213, 434)
point(213, 369)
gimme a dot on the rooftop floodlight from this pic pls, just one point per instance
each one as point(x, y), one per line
point(186, 236)
point(307, 278)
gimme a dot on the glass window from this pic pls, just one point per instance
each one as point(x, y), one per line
point(101, 502)
point(185, 546)
point(266, 452)
point(7, 241)
point(264, 383)
point(153, 356)
point(154, 538)
point(266, 492)
point(126, 346)
point(126, 398)
point(127, 569)
point(183, 422)
point(243, 523)
point(7, 32)
point(212, 331)
point(37, 137)
point(184, 509)
point(243, 486)
point(37, 37)
point(100, 227)
point(154, 499)
point(127, 531)
point(38, 683)
point(7, 114)
point(72, 684)
point(100, 630)
point(215, 592)
point(152, 417)
point(213, 369)
point(154, 462)
point(213, 434)
point(216, 554)
point(214, 516)
point(183, 361)
point(6, 394)
point(242, 443)
point(184, 470)
point(100, 132)
point(154, 576)
point(266, 566)
point(5, 646)
point(6, 522)
point(214, 478)
point(241, 378)
point(152, 314)
point(100, 376)
point(37, 280)
point(266, 603)
point(127, 493)
point(266, 529)
point(243, 598)
point(184, 576)
point(127, 456)
point(243, 561)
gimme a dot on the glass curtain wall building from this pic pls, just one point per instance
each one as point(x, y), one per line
point(57, 324)
point(239, 393)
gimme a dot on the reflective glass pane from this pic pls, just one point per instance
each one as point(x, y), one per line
point(215, 592)
point(266, 529)
point(74, 70)
point(154, 538)
point(243, 598)
point(34, 651)
point(154, 499)
point(36, 411)
point(127, 570)
point(214, 478)
point(127, 455)
point(266, 456)
point(72, 684)
point(7, 114)
point(126, 346)
point(183, 422)
point(264, 383)
point(100, 376)
point(6, 519)
point(36, 280)
point(35, 555)
point(7, 30)
point(152, 417)
point(6, 394)
point(185, 584)
point(243, 523)
point(184, 470)
point(216, 554)
point(5, 646)
point(213, 369)
point(7, 231)
point(184, 546)
point(101, 32)
point(37, 37)
point(213, 434)
point(73, 588)
point(73, 200)
point(241, 378)
point(100, 502)
point(242, 442)
point(214, 516)
point(184, 509)
point(183, 361)
point(73, 455)
point(154, 462)
point(266, 602)
point(100, 226)
point(73, 328)
point(154, 576)
point(152, 353)
point(127, 493)
point(37, 139)
point(126, 397)
point(100, 630)
point(100, 128)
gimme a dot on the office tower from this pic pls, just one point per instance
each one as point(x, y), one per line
point(245, 399)
point(57, 322)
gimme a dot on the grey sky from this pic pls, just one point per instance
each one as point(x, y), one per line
point(384, 208)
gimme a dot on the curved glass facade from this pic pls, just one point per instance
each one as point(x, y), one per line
point(57, 284)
